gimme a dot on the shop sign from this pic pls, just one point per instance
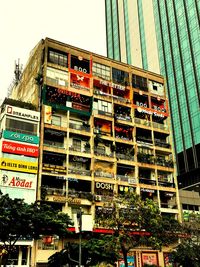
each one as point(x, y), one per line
point(104, 186)
point(47, 114)
point(18, 180)
point(27, 138)
point(18, 165)
point(76, 201)
point(23, 113)
point(54, 168)
point(149, 112)
point(147, 190)
point(150, 258)
point(59, 199)
point(130, 260)
point(21, 149)
point(113, 85)
point(80, 64)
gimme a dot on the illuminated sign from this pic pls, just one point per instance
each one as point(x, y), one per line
point(18, 165)
point(149, 112)
point(22, 149)
point(80, 64)
point(27, 138)
point(104, 186)
point(18, 180)
point(23, 113)
point(53, 168)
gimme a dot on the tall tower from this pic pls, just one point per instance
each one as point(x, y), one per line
point(163, 36)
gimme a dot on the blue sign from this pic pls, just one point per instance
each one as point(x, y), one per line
point(130, 260)
point(27, 138)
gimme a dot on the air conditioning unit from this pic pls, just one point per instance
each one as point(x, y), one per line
point(98, 198)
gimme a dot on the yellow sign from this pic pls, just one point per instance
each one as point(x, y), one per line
point(47, 114)
point(18, 165)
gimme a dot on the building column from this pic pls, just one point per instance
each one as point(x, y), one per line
point(19, 257)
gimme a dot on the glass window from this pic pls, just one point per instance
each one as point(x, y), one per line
point(56, 120)
point(139, 82)
point(21, 126)
point(101, 71)
point(120, 76)
point(57, 57)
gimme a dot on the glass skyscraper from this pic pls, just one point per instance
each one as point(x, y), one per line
point(164, 37)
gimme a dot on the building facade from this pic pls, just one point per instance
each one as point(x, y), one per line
point(163, 36)
point(104, 130)
point(19, 163)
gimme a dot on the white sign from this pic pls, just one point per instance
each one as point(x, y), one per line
point(18, 180)
point(23, 113)
point(104, 186)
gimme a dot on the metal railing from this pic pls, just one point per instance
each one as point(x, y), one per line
point(147, 181)
point(79, 172)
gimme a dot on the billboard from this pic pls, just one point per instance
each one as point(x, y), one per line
point(18, 180)
point(27, 138)
point(18, 165)
point(29, 196)
point(21, 149)
point(23, 113)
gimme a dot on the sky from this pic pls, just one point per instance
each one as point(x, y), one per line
point(24, 23)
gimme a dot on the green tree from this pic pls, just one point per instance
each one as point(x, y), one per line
point(95, 250)
point(187, 253)
point(19, 220)
point(135, 222)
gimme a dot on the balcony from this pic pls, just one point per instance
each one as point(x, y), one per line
point(103, 198)
point(164, 162)
point(142, 122)
point(145, 140)
point(54, 191)
point(102, 94)
point(103, 174)
point(147, 181)
point(126, 178)
point(168, 206)
point(80, 194)
point(53, 168)
point(160, 126)
point(145, 158)
point(125, 156)
point(79, 149)
point(85, 128)
point(53, 144)
point(162, 143)
point(166, 183)
point(102, 152)
point(82, 172)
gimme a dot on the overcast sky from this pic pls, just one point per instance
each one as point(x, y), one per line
point(23, 23)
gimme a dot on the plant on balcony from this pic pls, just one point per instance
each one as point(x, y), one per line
point(87, 147)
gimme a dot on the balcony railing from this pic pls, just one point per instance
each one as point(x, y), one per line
point(123, 137)
point(79, 127)
point(126, 178)
point(125, 156)
point(80, 194)
point(160, 126)
point(164, 162)
point(162, 143)
point(103, 174)
point(79, 172)
point(144, 139)
point(168, 206)
point(145, 158)
point(142, 122)
point(100, 152)
point(147, 181)
point(166, 183)
point(53, 143)
point(54, 191)
point(103, 198)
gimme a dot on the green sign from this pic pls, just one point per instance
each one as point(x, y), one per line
point(27, 138)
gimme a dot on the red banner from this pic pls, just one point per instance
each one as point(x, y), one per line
point(21, 149)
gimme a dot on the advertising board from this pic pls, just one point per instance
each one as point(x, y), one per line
point(21, 149)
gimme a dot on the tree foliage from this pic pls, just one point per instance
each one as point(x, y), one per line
point(136, 223)
point(187, 253)
point(19, 220)
point(94, 251)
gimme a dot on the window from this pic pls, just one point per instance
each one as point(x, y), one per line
point(77, 144)
point(21, 126)
point(80, 64)
point(57, 77)
point(139, 82)
point(57, 57)
point(48, 243)
point(56, 120)
point(120, 76)
point(101, 71)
